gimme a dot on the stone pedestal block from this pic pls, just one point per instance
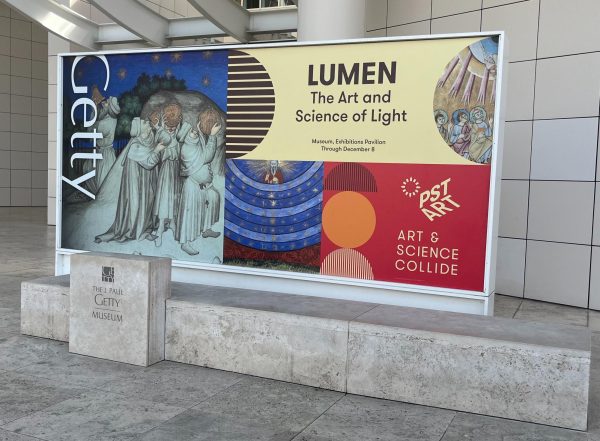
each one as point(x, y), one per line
point(280, 336)
point(492, 366)
point(45, 308)
point(118, 306)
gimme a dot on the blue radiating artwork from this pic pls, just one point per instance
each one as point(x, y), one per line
point(273, 205)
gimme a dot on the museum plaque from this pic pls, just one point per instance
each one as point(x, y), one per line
point(118, 306)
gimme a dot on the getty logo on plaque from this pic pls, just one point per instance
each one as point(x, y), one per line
point(108, 274)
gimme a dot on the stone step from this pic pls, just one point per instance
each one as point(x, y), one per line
point(493, 366)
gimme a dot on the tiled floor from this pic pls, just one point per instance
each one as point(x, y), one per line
point(48, 394)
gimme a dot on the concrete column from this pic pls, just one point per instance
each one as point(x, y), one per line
point(331, 19)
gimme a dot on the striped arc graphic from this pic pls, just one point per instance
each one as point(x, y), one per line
point(250, 104)
point(350, 176)
point(347, 262)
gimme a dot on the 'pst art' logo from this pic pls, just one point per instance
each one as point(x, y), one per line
point(108, 274)
point(437, 201)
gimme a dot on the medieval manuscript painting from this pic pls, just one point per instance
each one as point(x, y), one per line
point(144, 154)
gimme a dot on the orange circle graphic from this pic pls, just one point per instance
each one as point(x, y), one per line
point(349, 219)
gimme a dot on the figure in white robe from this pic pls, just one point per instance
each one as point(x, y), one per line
point(133, 219)
point(106, 124)
point(168, 186)
point(200, 203)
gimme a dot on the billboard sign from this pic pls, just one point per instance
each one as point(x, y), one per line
point(371, 161)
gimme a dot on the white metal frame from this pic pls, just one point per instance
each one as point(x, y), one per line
point(327, 286)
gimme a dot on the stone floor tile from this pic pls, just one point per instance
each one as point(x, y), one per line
point(536, 311)
point(9, 317)
point(173, 383)
point(594, 397)
point(10, 288)
point(252, 409)
point(21, 395)
point(18, 351)
point(11, 436)
point(594, 320)
point(11, 299)
point(29, 273)
point(469, 427)
point(202, 426)
point(506, 306)
point(94, 416)
point(271, 402)
point(356, 418)
point(10, 266)
point(8, 332)
point(596, 347)
point(80, 370)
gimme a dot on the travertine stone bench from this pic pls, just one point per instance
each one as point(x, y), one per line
point(494, 366)
point(285, 337)
point(500, 367)
point(45, 307)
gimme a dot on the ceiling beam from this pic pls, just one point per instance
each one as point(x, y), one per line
point(112, 33)
point(137, 19)
point(196, 27)
point(273, 20)
point(227, 15)
point(59, 20)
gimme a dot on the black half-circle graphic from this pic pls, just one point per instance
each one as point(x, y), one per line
point(250, 104)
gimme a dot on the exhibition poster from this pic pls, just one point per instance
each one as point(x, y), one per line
point(368, 160)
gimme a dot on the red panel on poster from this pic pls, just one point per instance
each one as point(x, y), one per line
point(434, 233)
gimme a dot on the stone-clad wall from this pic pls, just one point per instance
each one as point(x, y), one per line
point(23, 96)
point(549, 231)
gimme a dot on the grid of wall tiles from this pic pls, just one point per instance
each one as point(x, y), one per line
point(549, 229)
point(23, 96)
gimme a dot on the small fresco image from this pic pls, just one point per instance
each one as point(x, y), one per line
point(464, 101)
